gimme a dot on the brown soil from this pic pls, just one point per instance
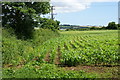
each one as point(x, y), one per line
point(36, 58)
point(87, 68)
point(19, 66)
point(57, 58)
point(65, 46)
point(7, 65)
point(47, 57)
point(96, 69)
point(12, 66)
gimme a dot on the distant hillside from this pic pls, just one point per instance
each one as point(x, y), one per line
point(67, 26)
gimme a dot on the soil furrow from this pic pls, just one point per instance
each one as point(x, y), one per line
point(57, 58)
point(47, 57)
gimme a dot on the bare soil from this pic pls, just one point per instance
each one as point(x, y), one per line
point(103, 71)
point(47, 57)
point(57, 58)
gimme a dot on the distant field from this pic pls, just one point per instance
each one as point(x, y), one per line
point(92, 31)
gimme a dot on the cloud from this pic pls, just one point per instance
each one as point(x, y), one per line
point(66, 6)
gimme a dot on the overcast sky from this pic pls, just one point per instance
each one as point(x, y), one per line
point(86, 12)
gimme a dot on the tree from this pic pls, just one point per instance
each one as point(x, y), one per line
point(118, 25)
point(112, 25)
point(58, 23)
point(21, 16)
point(49, 24)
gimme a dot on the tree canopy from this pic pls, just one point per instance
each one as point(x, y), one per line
point(21, 16)
point(112, 25)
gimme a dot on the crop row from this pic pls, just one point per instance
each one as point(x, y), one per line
point(100, 49)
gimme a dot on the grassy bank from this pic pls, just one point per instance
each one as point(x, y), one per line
point(16, 52)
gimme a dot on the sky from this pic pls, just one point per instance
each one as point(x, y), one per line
point(86, 12)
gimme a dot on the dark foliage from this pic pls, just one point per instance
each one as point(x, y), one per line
point(112, 25)
point(21, 16)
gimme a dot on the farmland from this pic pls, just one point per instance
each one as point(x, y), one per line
point(71, 50)
point(98, 48)
point(35, 45)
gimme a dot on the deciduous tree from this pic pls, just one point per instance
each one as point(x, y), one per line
point(21, 16)
point(112, 25)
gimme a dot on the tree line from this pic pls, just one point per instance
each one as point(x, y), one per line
point(113, 25)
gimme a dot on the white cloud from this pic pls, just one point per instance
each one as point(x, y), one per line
point(62, 6)
point(103, 0)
